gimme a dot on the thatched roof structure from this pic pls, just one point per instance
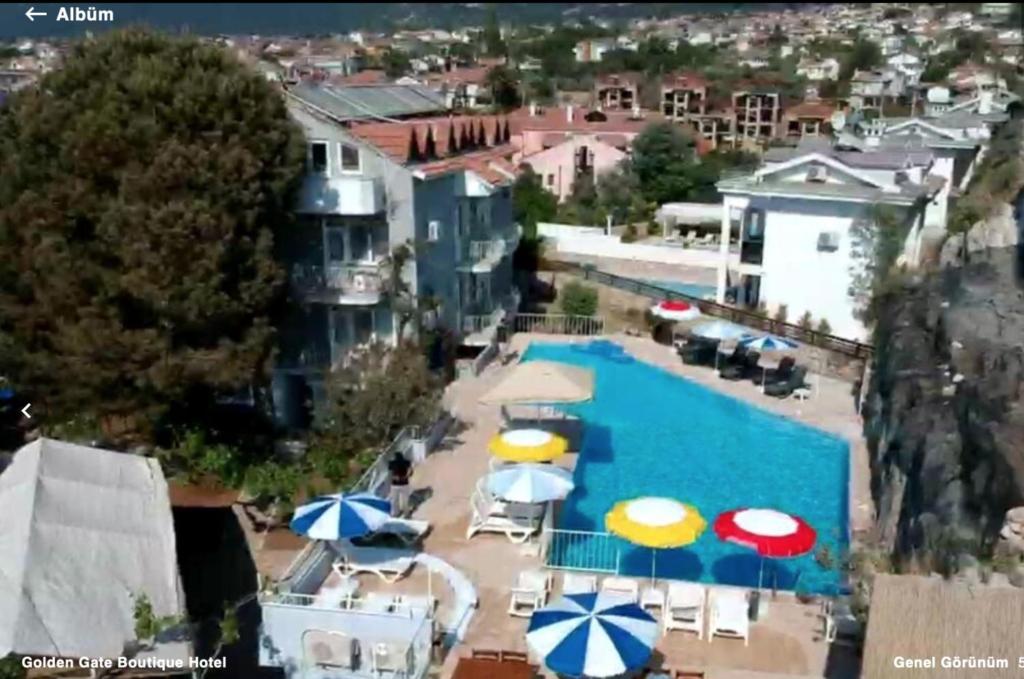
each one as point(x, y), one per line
point(926, 617)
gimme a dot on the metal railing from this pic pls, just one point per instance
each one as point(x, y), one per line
point(558, 324)
point(377, 477)
point(349, 279)
point(751, 319)
point(475, 323)
point(578, 550)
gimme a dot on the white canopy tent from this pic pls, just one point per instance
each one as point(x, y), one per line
point(83, 531)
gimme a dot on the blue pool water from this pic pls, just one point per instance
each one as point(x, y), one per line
point(692, 289)
point(648, 432)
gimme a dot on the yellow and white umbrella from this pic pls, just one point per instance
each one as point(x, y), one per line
point(655, 522)
point(528, 445)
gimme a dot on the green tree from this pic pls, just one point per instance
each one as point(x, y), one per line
point(395, 62)
point(494, 45)
point(583, 206)
point(141, 187)
point(11, 668)
point(369, 400)
point(864, 54)
point(504, 86)
point(577, 299)
point(531, 202)
point(664, 161)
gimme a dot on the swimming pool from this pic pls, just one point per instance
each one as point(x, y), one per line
point(691, 289)
point(648, 432)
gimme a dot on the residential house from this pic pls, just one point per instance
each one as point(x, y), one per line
point(617, 91)
point(808, 119)
point(870, 89)
point(909, 66)
point(388, 168)
point(593, 50)
point(85, 533)
point(462, 88)
point(818, 69)
point(758, 114)
point(683, 95)
point(974, 78)
point(798, 219)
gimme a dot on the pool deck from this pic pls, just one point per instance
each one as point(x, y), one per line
point(787, 640)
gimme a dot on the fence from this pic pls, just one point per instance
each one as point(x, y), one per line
point(581, 550)
point(750, 319)
point(558, 324)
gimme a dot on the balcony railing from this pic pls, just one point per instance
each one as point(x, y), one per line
point(478, 323)
point(340, 283)
point(345, 195)
point(482, 255)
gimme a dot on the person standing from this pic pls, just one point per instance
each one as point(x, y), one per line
point(401, 470)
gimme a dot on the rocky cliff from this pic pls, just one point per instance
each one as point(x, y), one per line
point(944, 413)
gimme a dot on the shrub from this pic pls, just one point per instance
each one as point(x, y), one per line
point(781, 313)
point(629, 234)
point(578, 299)
point(805, 321)
point(824, 328)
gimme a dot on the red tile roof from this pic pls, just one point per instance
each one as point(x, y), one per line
point(476, 75)
point(624, 79)
point(455, 141)
point(367, 77)
point(555, 119)
point(810, 109)
point(686, 80)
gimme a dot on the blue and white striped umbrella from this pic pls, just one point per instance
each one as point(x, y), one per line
point(769, 343)
point(530, 483)
point(334, 517)
point(594, 635)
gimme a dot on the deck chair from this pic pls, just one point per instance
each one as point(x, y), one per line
point(841, 625)
point(388, 563)
point(624, 587)
point(691, 237)
point(728, 616)
point(708, 239)
point(409, 531)
point(684, 608)
point(578, 583)
point(518, 522)
point(530, 593)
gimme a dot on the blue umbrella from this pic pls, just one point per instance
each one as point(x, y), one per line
point(594, 635)
point(334, 517)
point(767, 343)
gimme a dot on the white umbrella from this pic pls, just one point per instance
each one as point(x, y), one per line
point(530, 483)
point(542, 382)
point(723, 331)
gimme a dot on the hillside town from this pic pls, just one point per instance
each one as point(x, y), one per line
point(680, 346)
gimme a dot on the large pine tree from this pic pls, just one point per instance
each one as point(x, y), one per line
point(141, 185)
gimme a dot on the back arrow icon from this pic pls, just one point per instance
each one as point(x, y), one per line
point(32, 14)
point(24, 411)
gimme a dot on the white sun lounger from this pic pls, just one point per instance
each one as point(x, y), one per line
point(530, 593)
point(387, 563)
point(409, 531)
point(627, 588)
point(728, 617)
point(684, 609)
point(578, 583)
point(517, 521)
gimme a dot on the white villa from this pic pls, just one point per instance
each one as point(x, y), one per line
point(798, 218)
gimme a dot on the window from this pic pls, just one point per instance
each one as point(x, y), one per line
point(433, 230)
point(349, 158)
point(335, 245)
point(551, 180)
point(828, 241)
point(363, 326)
point(318, 162)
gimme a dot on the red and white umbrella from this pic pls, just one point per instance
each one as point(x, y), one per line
point(769, 532)
point(672, 310)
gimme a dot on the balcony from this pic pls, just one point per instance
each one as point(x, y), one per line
point(479, 329)
point(345, 195)
point(346, 284)
point(481, 256)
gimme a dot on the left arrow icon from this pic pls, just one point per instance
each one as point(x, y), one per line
point(32, 14)
point(24, 411)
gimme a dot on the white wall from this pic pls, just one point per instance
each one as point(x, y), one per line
point(796, 274)
point(591, 244)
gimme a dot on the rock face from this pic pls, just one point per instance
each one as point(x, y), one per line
point(998, 231)
point(947, 455)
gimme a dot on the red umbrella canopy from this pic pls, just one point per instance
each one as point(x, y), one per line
point(768, 532)
point(674, 305)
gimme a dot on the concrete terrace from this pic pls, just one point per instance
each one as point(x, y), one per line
point(787, 640)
